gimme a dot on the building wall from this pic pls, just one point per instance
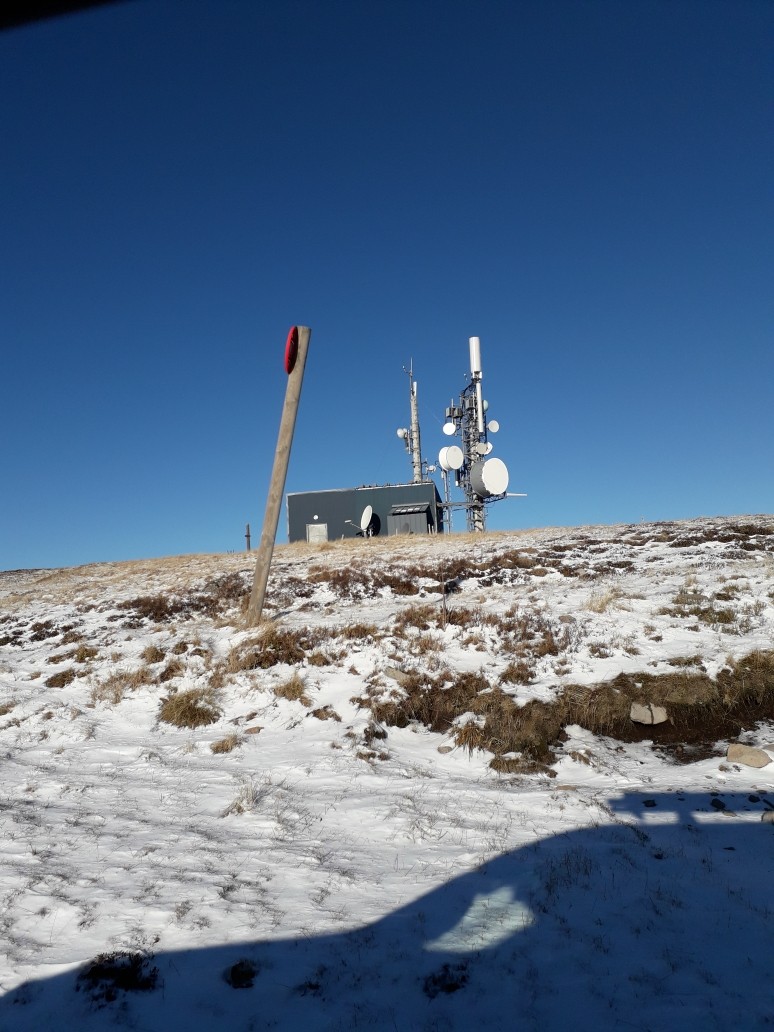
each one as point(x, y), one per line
point(335, 508)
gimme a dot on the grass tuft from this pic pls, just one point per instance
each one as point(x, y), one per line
point(294, 690)
point(193, 708)
point(226, 745)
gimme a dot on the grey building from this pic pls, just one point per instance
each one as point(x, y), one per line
point(396, 509)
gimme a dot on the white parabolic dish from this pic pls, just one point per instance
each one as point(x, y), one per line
point(489, 477)
point(449, 428)
point(450, 458)
point(365, 519)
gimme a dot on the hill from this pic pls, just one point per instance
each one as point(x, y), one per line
point(414, 798)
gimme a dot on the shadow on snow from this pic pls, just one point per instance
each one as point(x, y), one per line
point(661, 918)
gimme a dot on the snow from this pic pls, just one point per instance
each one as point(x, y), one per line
point(399, 883)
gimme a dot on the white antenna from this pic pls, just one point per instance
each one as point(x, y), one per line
point(366, 522)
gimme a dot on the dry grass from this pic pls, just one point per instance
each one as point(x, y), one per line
point(351, 582)
point(174, 668)
point(690, 601)
point(470, 736)
point(702, 710)
point(326, 713)
point(153, 654)
point(62, 679)
point(422, 616)
point(272, 646)
point(113, 689)
point(193, 708)
point(294, 690)
point(518, 672)
point(359, 631)
point(601, 601)
point(227, 744)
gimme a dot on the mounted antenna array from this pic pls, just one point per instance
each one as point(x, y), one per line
point(481, 479)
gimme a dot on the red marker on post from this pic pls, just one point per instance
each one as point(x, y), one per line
point(296, 348)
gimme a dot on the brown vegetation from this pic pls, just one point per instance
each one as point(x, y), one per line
point(193, 708)
point(294, 690)
point(702, 710)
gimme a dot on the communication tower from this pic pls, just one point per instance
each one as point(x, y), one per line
point(481, 478)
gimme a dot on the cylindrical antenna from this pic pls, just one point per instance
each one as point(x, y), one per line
point(475, 355)
point(475, 372)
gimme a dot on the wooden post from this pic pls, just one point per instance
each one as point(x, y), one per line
point(247, 536)
point(295, 360)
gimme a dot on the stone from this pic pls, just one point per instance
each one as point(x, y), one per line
point(768, 816)
point(253, 730)
point(443, 749)
point(648, 714)
point(747, 755)
point(397, 675)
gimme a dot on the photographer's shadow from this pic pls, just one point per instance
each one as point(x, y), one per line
point(661, 919)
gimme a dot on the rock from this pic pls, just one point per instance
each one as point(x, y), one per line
point(768, 816)
point(397, 675)
point(648, 714)
point(253, 730)
point(747, 755)
point(443, 749)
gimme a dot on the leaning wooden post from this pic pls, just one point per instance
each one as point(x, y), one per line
point(295, 360)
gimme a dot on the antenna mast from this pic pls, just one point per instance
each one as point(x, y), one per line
point(482, 480)
point(411, 435)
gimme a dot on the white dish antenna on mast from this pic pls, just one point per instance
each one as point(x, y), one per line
point(493, 426)
point(489, 477)
point(449, 429)
point(365, 519)
point(450, 458)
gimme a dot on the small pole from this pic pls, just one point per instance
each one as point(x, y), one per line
point(247, 536)
point(295, 360)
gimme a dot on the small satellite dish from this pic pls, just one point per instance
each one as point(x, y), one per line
point(489, 447)
point(493, 426)
point(402, 433)
point(449, 429)
point(365, 519)
point(481, 448)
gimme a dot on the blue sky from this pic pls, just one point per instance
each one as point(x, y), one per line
point(584, 185)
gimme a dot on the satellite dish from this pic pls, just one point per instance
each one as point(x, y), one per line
point(493, 426)
point(454, 457)
point(489, 447)
point(402, 433)
point(450, 458)
point(449, 429)
point(365, 519)
point(489, 477)
point(481, 448)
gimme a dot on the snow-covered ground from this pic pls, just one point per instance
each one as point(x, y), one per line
point(320, 870)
